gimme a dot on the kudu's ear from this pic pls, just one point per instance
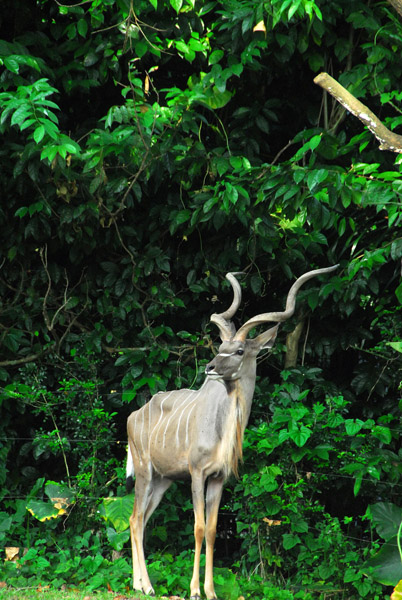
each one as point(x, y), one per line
point(265, 340)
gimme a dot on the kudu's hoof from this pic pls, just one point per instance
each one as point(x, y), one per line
point(141, 593)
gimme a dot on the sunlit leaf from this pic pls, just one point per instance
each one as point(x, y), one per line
point(118, 510)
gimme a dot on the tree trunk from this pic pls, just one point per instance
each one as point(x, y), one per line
point(292, 345)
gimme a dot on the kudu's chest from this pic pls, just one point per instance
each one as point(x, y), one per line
point(191, 431)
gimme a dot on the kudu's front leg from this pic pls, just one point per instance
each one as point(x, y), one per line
point(214, 495)
point(197, 488)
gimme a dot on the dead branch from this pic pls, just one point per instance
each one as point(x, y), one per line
point(43, 257)
point(292, 345)
point(388, 140)
point(397, 5)
point(51, 323)
point(21, 361)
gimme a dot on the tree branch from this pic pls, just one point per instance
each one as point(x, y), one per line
point(388, 140)
point(21, 361)
point(292, 345)
point(397, 5)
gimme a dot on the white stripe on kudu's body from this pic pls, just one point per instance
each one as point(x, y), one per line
point(199, 434)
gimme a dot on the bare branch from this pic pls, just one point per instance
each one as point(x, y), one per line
point(397, 5)
point(21, 361)
point(43, 257)
point(66, 301)
point(292, 345)
point(388, 140)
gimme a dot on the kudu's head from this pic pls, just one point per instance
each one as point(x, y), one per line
point(237, 354)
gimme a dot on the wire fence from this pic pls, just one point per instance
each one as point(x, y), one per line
point(397, 431)
point(308, 474)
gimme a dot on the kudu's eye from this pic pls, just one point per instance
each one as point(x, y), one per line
point(240, 352)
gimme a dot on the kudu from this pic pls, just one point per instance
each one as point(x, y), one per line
point(199, 434)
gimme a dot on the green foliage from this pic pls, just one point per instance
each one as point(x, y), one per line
point(147, 149)
point(60, 497)
point(29, 109)
point(81, 564)
point(310, 445)
point(385, 565)
point(118, 511)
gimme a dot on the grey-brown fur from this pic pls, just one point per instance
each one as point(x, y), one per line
point(199, 434)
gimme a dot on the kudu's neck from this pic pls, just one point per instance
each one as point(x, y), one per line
point(244, 388)
point(240, 394)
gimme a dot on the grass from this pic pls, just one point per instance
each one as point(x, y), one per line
point(46, 594)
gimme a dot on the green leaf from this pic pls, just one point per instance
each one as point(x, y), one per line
point(310, 145)
point(231, 193)
point(397, 593)
point(353, 426)
point(396, 249)
point(396, 346)
point(300, 435)
point(382, 433)
point(39, 133)
point(342, 227)
point(24, 111)
point(314, 142)
point(43, 511)
point(385, 566)
point(209, 204)
point(358, 482)
point(82, 27)
point(59, 493)
point(262, 123)
point(117, 539)
point(176, 4)
point(215, 57)
point(314, 178)
point(236, 68)
point(128, 396)
point(21, 212)
point(91, 59)
point(290, 540)
point(217, 99)
point(226, 584)
point(12, 252)
point(49, 152)
point(222, 165)
point(185, 50)
point(27, 123)
point(51, 129)
point(118, 510)
point(141, 48)
point(293, 8)
point(398, 293)
point(182, 216)
point(11, 64)
point(386, 518)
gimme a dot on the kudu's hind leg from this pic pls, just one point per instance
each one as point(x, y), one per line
point(137, 585)
point(159, 487)
point(143, 495)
